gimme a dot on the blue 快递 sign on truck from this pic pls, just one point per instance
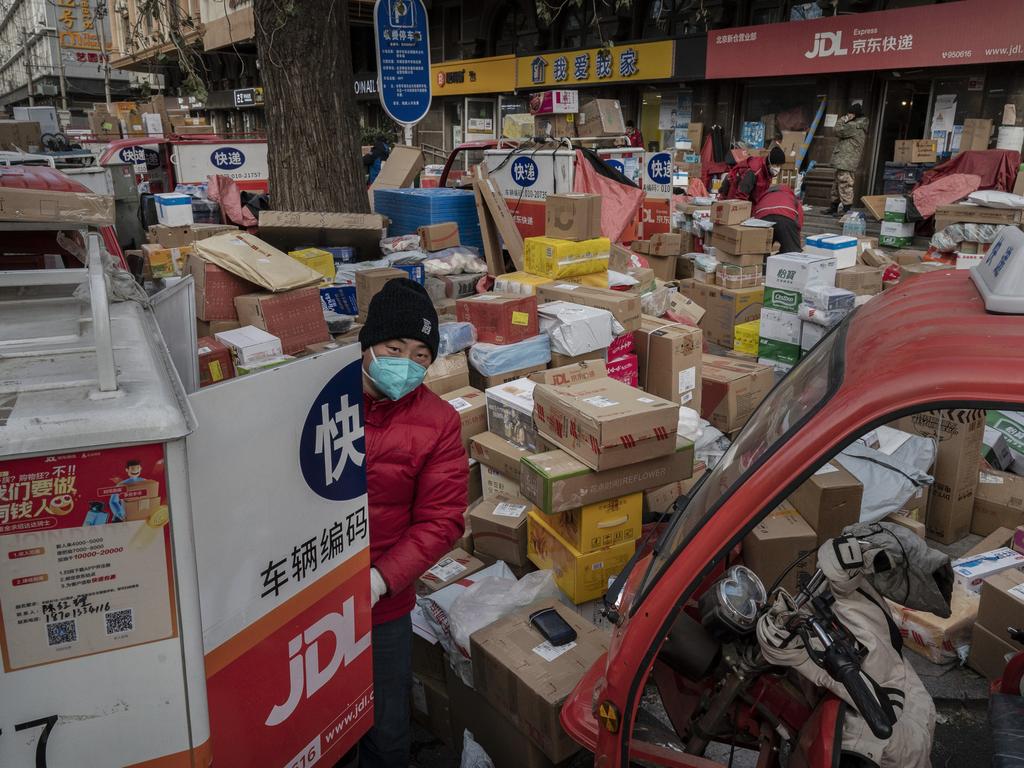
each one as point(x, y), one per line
point(403, 59)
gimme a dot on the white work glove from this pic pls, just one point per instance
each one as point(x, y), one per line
point(377, 586)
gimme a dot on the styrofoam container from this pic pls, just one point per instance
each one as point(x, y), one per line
point(842, 247)
point(251, 344)
point(174, 209)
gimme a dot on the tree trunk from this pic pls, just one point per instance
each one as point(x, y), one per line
point(312, 129)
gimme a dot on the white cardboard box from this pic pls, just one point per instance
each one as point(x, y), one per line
point(780, 326)
point(971, 571)
point(251, 344)
point(794, 271)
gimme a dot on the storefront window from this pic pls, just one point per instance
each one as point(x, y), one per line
point(665, 117)
point(776, 107)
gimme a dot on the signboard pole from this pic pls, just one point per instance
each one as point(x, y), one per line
point(403, 61)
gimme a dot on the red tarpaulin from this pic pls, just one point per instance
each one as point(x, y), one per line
point(619, 202)
point(997, 168)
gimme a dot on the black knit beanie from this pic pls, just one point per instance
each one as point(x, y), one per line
point(402, 310)
point(777, 157)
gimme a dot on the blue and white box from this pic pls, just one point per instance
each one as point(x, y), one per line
point(174, 209)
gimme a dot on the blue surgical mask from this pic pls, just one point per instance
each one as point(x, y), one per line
point(395, 377)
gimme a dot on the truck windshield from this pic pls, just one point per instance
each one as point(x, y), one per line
point(802, 392)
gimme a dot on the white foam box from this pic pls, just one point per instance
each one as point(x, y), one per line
point(841, 247)
point(250, 344)
point(174, 209)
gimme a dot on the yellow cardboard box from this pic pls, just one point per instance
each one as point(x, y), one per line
point(550, 257)
point(580, 576)
point(603, 524)
point(316, 259)
point(746, 337)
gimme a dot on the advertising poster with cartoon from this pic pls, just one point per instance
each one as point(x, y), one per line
point(85, 558)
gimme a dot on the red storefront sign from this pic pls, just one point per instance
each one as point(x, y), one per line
point(949, 34)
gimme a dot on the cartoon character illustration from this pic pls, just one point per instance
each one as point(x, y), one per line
point(133, 467)
point(97, 514)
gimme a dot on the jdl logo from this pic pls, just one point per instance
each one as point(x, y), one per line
point(826, 44)
point(304, 670)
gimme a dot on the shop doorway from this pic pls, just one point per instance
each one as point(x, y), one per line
point(902, 114)
point(481, 119)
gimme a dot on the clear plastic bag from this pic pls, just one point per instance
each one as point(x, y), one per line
point(948, 239)
point(455, 337)
point(400, 243)
point(473, 755)
point(655, 303)
point(492, 359)
point(455, 261)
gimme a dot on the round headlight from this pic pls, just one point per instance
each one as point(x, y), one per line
point(733, 603)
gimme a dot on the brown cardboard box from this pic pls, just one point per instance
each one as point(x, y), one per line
point(499, 318)
point(437, 237)
point(778, 540)
point(448, 374)
point(730, 211)
point(399, 170)
point(659, 499)
point(215, 363)
point(431, 707)
point(959, 434)
point(369, 282)
point(527, 680)
point(861, 279)
point(725, 309)
point(910, 270)
point(915, 151)
point(998, 539)
point(445, 310)
point(907, 256)
point(625, 307)
point(178, 237)
point(289, 230)
point(496, 484)
point(907, 522)
point(574, 373)
point(469, 404)
point(499, 528)
point(669, 357)
point(998, 502)
point(481, 382)
point(597, 526)
point(555, 126)
point(497, 453)
point(829, 500)
point(666, 244)
point(966, 213)
point(875, 257)
point(642, 247)
point(213, 327)
point(476, 487)
point(938, 640)
point(163, 262)
point(457, 564)
point(1002, 603)
point(428, 659)
point(605, 423)
point(734, 238)
point(22, 135)
point(664, 267)
point(561, 361)
point(601, 117)
point(989, 651)
point(44, 205)
point(555, 481)
point(976, 135)
point(573, 216)
point(295, 317)
point(216, 289)
point(731, 389)
point(742, 260)
point(686, 307)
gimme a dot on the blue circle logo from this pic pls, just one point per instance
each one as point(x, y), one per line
point(332, 448)
point(524, 172)
point(617, 165)
point(659, 168)
point(227, 158)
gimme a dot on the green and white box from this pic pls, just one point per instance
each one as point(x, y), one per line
point(895, 234)
point(787, 274)
point(895, 209)
point(777, 325)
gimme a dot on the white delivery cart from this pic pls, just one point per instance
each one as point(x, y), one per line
point(101, 657)
point(526, 177)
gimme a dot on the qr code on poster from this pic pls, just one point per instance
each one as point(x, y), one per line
point(60, 632)
point(119, 622)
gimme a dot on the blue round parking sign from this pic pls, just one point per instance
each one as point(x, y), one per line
point(332, 448)
point(227, 158)
point(659, 168)
point(524, 172)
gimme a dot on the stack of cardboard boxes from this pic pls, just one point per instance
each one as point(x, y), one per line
point(560, 114)
point(788, 276)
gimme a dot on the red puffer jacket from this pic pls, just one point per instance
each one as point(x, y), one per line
point(417, 476)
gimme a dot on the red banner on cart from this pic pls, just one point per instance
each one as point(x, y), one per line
point(950, 34)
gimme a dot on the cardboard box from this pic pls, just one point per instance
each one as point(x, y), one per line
point(528, 680)
point(431, 707)
point(470, 405)
point(989, 652)
point(496, 484)
point(213, 327)
point(972, 570)
point(21, 135)
point(499, 318)
point(457, 564)
point(437, 237)
point(601, 117)
point(563, 361)
point(295, 317)
point(316, 259)
point(216, 289)
point(860, 279)
point(43, 205)
point(686, 307)
point(737, 239)
point(746, 337)
point(250, 345)
point(557, 102)
point(625, 307)
point(670, 361)
point(215, 362)
point(497, 453)
point(582, 576)
point(958, 433)
point(572, 216)
point(787, 274)
point(895, 234)
point(550, 257)
point(556, 481)
point(585, 370)
point(1002, 603)
point(731, 389)
point(555, 126)
point(730, 211)
point(178, 237)
point(499, 528)
point(289, 230)
point(829, 500)
point(600, 525)
point(510, 408)
point(1018, 539)
point(369, 283)
point(476, 490)
point(725, 308)
point(907, 522)
point(164, 262)
point(666, 244)
point(428, 659)
point(399, 170)
point(915, 151)
point(448, 374)
point(874, 257)
point(998, 502)
point(659, 499)
point(478, 380)
point(624, 369)
point(604, 423)
point(938, 640)
point(976, 135)
point(778, 540)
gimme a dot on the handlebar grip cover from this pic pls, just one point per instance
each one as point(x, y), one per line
point(877, 711)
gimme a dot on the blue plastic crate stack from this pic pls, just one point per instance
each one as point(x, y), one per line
point(409, 209)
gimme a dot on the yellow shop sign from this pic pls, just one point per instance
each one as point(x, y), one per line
point(593, 66)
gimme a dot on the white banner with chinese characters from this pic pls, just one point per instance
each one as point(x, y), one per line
point(278, 485)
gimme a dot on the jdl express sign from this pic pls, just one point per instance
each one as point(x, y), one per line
point(924, 36)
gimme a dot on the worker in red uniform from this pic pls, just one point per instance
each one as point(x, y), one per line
point(636, 139)
point(753, 179)
point(417, 476)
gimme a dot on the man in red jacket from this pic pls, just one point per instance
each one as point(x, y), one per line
point(417, 477)
point(754, 180)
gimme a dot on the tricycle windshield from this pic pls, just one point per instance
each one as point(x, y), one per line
point(793, 400)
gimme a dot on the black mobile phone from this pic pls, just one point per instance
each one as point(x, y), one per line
point(552, 626)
